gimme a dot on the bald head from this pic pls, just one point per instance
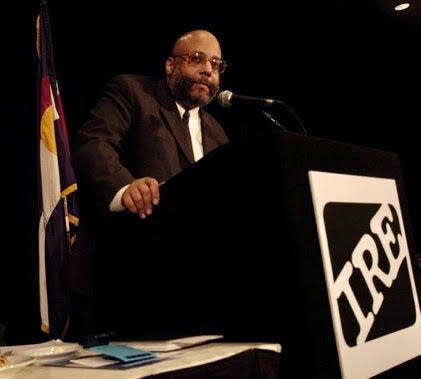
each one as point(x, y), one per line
point(195, 40)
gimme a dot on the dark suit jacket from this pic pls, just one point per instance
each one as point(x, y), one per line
point(135, 130)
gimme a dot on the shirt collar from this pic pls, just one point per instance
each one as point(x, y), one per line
point(193, 112)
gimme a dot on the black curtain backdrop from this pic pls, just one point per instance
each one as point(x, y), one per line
point(351, 73)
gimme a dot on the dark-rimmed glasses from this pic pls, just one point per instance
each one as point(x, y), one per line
point(197, 58)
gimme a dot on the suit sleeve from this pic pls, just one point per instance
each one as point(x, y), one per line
point(100, 143)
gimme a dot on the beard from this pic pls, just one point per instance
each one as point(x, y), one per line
point(181, 86)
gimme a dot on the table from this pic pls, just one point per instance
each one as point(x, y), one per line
point(213, 360)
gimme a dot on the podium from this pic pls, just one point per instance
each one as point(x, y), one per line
point(274, 239)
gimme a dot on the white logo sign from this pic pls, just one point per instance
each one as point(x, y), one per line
point(368, 273)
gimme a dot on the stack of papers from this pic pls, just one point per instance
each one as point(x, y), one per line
point(114, 356)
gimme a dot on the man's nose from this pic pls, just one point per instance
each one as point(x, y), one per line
point(207, 66)
point(207, 69)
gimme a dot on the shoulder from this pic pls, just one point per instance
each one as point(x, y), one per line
point(131, 87)
point(131, 81)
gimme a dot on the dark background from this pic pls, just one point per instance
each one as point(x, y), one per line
point(350, 71)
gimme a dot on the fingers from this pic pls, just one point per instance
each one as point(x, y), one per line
point(154, 189)
point(133, 200)
point(141, 195)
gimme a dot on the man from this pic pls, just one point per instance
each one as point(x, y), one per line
point(137, 136)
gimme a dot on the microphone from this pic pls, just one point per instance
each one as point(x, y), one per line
point(227, 99)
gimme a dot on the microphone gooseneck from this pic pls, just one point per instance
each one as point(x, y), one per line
point(227, 99)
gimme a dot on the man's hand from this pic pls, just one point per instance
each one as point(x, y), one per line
point(141, 195)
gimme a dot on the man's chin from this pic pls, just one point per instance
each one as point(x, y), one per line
point(200, 99)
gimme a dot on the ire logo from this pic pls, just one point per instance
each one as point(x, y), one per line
point(369, 277)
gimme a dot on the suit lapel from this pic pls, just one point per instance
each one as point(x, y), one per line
point(207, 141)
point(171, 115)
point(180, 132)
point(212, 134)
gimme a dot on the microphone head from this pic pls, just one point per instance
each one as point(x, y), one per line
point(224, 98)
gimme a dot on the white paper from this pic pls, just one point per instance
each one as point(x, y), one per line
point(174, 344)
point(94, 362)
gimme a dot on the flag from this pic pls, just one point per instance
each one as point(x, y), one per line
point(56, 189)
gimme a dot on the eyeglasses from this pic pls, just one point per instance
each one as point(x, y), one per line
point(196, 58)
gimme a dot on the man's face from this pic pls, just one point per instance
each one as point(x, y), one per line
point(193, 89)
point(192, 72)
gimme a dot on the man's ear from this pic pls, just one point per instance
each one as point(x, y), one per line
point(169, 65)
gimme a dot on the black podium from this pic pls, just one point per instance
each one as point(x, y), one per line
point(234, 248)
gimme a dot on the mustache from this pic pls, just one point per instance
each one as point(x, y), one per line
point(204, 82)
point(213, 88)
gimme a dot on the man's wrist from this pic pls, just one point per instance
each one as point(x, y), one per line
point(116, 204)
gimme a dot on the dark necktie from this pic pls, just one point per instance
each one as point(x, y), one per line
point(186, 117)
point(196, 145)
